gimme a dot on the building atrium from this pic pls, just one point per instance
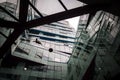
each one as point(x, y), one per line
point(38, 43)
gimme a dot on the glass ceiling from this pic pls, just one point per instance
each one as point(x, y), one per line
point(44, 7)
point(54, 6)
point(50, 7)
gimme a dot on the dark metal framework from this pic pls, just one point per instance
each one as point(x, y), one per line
point(92, 6)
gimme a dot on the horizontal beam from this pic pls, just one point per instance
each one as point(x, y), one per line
point(96, 1)
point(63, 15)
point(66, 14)
point(114, 9)
point(8, 24)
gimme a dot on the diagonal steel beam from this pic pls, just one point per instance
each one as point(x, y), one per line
point(10, 40)
point(3, 35)
point(2, 8)
point(66, 14)
point(63, 5)
point(8, 24)
point(35, 9)
point(96, 1)
point(114, 8)
point(91, 15)
point(17, 32)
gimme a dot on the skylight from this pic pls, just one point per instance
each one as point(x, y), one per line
point(73, 22)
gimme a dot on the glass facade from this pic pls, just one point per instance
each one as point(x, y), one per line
point(94, 49)
point(43, 43)
point(55, 51)
point(40, 53)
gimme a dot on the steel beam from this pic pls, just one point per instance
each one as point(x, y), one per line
point(38, 12)
point(63, 5)
point(10, 40)
point(113, 8)
point(8, 24)
point(2, 8)
point(96, 1)
point(91, 15)
point(17, 32)
point(23, 11)
point(70, 13)
point(3, 35)
point(66, 14)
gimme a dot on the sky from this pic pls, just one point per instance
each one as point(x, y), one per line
point(50, 9)
point(73, 22)
point(53, 7)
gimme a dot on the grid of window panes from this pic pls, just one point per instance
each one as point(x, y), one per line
point(41, 40)
point(22, 69)
point(49, 45)
point(96, 38)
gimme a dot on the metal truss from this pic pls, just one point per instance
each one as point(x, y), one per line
point(22, 23)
